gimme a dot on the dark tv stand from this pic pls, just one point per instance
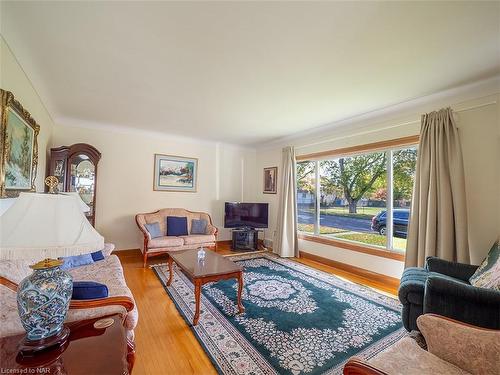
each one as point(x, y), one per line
point(245, 239)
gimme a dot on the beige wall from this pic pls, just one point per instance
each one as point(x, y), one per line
point(125, 178)
point(269, 158)
point(13, 78)
point(480, 139)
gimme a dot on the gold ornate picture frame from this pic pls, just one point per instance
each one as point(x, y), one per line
point(19, 147)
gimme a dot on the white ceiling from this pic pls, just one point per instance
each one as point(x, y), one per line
point(243, 72)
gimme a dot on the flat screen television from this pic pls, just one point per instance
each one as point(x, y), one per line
point(251, 215)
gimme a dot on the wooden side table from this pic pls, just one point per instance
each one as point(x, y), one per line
point(87, 351)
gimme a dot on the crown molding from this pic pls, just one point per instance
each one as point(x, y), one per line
point(410, 107)
point(70, 122)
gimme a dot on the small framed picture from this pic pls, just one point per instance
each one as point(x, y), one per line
point(175, 173)
point(270, 180)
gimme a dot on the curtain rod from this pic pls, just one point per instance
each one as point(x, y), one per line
point(389, 127)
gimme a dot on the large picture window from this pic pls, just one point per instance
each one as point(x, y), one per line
point(362, 197)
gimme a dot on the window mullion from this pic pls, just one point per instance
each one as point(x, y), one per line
point(389, 201)
point(318, 199)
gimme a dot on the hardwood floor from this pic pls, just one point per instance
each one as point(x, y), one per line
point(165, 344)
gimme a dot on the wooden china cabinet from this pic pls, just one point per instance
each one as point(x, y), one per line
point(76, 168)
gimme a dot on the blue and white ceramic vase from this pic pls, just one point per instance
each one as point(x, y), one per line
point(43, 299)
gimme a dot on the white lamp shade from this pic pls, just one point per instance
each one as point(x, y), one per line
point(41, 226)
point(83, 206)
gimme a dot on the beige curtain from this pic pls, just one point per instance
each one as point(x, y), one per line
point(286, 237)
point(438, 222)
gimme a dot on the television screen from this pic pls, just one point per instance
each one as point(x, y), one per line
point(253, 215)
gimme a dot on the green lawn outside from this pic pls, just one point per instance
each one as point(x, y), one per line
point(309, 228)
point(373, 239)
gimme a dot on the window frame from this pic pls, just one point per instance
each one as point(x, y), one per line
point(389, 147)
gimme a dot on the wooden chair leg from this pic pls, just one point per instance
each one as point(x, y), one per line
point(130, 355)
point(145, 259)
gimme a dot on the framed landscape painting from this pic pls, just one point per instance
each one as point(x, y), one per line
point(19, 148)
point(175, 173)
point(270, 180)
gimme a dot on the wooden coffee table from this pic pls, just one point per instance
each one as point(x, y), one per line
point(214, 267)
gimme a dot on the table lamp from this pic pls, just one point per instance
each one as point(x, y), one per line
point(45, 227)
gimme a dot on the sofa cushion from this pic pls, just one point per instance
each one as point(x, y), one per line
point(198, 239)
point(166, 241)
point(488, 273)
point(81, 260)
point(154, 229)
point(89, 290)
point(160, 215)
point(199, 226)
point(110, 273)
point(97, 256)
point(108, 249)
point(473, 349)
point(76, 261)
point(177, 226)
point(407, 357)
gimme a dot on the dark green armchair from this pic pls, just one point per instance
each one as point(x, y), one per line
point(443, 288)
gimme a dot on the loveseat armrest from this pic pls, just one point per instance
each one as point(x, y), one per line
point(464, 302)
point(140, 221)
point(9, 284)
point(211, 229)
point(460, 271)
point(357, 366)
point(124, 301)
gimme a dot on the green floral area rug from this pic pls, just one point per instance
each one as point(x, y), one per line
point(297, 320)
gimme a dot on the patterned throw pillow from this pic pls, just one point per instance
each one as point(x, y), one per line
point(154, 229)
point(198, 226)
point(488, 273)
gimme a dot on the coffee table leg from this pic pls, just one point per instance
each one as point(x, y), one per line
point(170, 262)
point(197, 295)
point(241, 309)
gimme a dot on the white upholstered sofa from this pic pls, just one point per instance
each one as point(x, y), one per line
point(160, 245)
point(108, 271)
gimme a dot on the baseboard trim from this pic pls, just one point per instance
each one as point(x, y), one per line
point(358, 271)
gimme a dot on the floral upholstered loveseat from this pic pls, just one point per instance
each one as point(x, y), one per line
point(160, 245)
point(108, 271)
point(453, 348)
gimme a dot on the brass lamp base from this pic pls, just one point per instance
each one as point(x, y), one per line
point(30, 348)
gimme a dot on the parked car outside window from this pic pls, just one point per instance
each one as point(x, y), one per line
point(400, 220)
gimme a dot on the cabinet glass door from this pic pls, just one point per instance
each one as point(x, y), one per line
point(82, 180)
